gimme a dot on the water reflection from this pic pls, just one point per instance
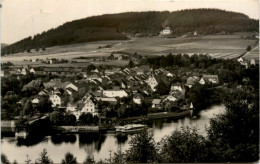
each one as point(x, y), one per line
point(30, 140)
point(91, 141)
point(58, 139)
point(121, 138)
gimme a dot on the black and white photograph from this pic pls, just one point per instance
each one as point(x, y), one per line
point(129, 81)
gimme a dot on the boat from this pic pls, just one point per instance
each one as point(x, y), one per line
point(21, 134)
point(130, 128)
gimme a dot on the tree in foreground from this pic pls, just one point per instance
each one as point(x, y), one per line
point(184, 145)
point(69, 159)
point(235, 134)
point(89, 160)
point(119, 156)
point(44, 158)
point(142, 148)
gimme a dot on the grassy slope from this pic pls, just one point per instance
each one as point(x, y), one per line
point(219, 46)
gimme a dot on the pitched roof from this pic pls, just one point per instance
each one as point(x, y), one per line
point(34, 83)
point(211, 78)
point(156, 101)
point(192, 80)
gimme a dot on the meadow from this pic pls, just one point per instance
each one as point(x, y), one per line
point(217, 46)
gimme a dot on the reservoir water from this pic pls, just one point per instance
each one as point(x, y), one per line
point(96, 144)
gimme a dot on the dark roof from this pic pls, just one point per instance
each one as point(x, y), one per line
point(34, 84)
point(161, 78)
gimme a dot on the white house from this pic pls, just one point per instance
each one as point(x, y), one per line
point(166, 31)
point(152, 82)
point(115, 93)
point(252, 62)
point(209, 79)
point(24, 71)
point(202, 81)
point(32, 70)
point(156, 103)
point(170, 98)
point(35, 101)
point(73, 109)
point(240, 59)
point(73, 86)
point(137, 99)
point(90, 106)
point(56, 99)
point(176, 88)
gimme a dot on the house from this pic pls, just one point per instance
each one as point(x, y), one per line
point(36, 100)
point(157, 103)
point(240, 59)
point(110, 100)
point(209, 79)
point(192, 80)
point(4, 73)
point(56, 99)
point(94, 76)
point(244, 63)
point(73, 108)
point(114, 93)
point(56, 83)
point(25, 71)
point(152, 82)
point(53, 61)
point(90, 105)
point(36, 71)
point(34, 84)
point(76, 86)
point(177, 87)
point(166, 31)
point(170, 98)
point(43, 92)
point(138, 98)
point(252, 62)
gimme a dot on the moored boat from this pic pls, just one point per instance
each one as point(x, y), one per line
point(130, 128)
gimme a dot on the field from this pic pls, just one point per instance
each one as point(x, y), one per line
point(217, 46)
point(253, 54)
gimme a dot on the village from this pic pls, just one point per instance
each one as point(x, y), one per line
point(112, 93)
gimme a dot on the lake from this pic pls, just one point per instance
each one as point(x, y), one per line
point(97, 144)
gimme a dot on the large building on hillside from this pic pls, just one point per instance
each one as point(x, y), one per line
point(166, 31)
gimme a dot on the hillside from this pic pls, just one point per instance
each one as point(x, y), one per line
point(114, 27)
point(3, 45)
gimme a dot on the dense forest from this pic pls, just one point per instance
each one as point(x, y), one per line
point(114, 26)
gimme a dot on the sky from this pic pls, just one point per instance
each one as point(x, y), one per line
point(23, 18)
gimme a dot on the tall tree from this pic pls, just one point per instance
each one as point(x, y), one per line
point(142, 148)
point(131, 63)
point(69, 159)
point(184, 145)
point(235, 134)
point(44, 158)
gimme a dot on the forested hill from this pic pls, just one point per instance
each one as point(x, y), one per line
point(114, 26)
